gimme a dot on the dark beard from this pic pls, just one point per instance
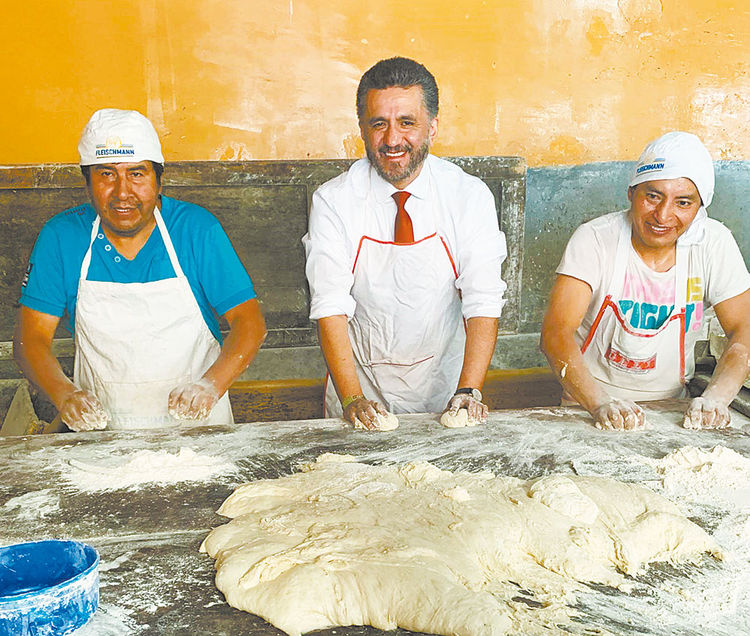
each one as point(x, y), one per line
point(416, 159)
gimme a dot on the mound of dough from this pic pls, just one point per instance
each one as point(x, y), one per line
point(561, 494)
point(428, 550)
point(459, 420)
point(387, 422)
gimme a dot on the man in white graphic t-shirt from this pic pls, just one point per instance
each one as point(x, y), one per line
point(627, 305)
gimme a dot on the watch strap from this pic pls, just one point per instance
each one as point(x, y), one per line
point(475, 393)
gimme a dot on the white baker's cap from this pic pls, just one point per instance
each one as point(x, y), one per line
point(675, 155)
point(114, 135)
point(672, 156)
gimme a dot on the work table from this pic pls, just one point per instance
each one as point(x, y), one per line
point(154, 580)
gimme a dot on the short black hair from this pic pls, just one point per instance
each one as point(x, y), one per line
point(158, 170)
point(402, 72)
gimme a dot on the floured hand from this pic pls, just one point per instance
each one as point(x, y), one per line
point(387, 422)
point(82, 411)
point(706, 413)
point(475, 409)
point(619, 415)
point(459, 420)
point(362, 413)
point(193, 401)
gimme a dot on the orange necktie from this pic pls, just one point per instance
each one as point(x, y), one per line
point(404, 232)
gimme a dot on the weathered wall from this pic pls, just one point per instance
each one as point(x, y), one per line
point(559, 199)
point(554, 82)
point(263, 207)
point(576, 88)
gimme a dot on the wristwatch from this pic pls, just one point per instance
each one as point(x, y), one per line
point(475, 393)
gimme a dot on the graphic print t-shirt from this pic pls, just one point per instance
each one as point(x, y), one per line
point(648, 297)
point(716, 272)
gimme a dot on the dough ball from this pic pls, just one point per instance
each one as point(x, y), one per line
point(459, 420)
point(387, 422)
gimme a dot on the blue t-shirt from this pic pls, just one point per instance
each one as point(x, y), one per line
point(213, 269)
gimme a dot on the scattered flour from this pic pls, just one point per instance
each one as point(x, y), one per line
point(106, 566)
point(719, 476)
point(35, 505)
point(143, 585)
point(110, 620)
point(146, 467)
point(429, 550)
point(328, 458)
point(713, 485)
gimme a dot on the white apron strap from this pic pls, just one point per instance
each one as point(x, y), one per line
point(617, 282)
point(680, 301)
point(87, 258)
point(681, 277)
point(168, 244)
point(164, 236)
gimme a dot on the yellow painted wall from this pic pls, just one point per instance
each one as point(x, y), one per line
point(555, 81)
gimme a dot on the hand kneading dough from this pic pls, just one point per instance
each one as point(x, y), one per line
point(387, 422)
point(459, 420)
point(428, 550)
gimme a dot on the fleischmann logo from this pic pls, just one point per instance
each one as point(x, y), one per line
point(654, 164)
point(114, 148)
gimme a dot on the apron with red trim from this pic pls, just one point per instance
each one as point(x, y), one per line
point(632, 363)
point(407, 331)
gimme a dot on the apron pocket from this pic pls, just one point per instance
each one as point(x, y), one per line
point(401, 382)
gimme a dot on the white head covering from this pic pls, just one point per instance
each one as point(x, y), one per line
point(114, 135)
point(675, 155)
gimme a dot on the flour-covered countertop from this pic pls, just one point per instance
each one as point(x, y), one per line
point(146, 500)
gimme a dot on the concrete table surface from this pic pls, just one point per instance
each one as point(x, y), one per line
point(154, 580)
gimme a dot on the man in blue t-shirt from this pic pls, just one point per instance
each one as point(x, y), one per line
point(141, 279)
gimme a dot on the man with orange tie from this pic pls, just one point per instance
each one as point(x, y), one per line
point(403, 260)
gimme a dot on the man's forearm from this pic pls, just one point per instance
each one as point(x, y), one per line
point(733, 366)
point(730, 373)
point(566, 361)
point(42, 369)
point(333, 334)
point(247, 331)
point(481, 335)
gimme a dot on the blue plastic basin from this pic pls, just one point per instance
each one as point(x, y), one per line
point(47, 588)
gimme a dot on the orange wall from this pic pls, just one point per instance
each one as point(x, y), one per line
point(558, 82)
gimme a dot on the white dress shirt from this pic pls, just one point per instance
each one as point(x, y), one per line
point(444, 199)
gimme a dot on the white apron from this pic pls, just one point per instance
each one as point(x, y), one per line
point(631, 363)
point(407, 331)
point(135, 342)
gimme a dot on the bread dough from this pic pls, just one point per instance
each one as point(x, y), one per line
point(387, 422)
point(428, 550)
point(459, 420)
point(560, 493)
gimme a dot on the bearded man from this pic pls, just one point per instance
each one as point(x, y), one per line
point(403, 261)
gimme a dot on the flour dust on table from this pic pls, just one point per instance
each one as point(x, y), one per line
point(145, 467)
point(412, 546)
